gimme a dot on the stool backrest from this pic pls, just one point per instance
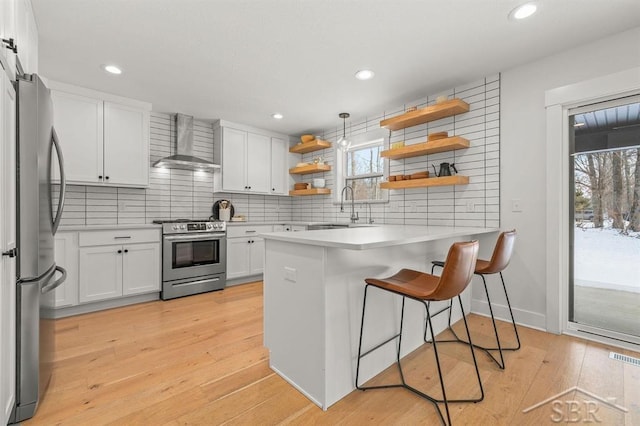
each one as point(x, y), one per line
point(501, 253)
point(458, 270)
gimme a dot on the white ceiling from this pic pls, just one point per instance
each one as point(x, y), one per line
point(243, 60)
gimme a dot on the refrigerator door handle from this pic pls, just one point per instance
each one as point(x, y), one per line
point(47, 288)
point(63, 181)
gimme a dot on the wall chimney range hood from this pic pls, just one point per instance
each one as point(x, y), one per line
point(184, 158)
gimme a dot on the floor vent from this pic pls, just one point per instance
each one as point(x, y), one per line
point(624, 358)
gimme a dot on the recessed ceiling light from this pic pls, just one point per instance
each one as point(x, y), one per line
point(277, 116)
point(365, 75)
point(523, 11)
point(112, 69)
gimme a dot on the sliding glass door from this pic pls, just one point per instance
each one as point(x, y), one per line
point(604, 290)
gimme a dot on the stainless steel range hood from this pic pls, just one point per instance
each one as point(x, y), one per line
point(183, 158)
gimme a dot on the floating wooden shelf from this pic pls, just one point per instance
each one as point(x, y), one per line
point(420, 183)
point(439, 145)
point(425, 115)
point(314, 145)
point(312, 191)
point(310, 168)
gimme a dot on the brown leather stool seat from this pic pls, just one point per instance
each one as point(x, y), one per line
point(426, 288)
point(498, 263)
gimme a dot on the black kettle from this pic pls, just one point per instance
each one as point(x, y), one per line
point(445, 169)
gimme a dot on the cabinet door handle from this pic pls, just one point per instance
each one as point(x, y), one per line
point(100, 177)
point(119, 251)
point(126, 250)
point(106, 177)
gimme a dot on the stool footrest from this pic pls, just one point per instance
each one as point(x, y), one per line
point(438, 263)
point(379, 345)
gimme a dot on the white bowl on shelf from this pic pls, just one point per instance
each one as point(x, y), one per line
point(318, 183)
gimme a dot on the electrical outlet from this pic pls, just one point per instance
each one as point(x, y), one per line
point(471, 207)
point(290, 274)
point(516, 205)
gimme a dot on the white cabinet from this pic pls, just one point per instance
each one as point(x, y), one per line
point(247, 158)
point(7, 243)
point(100, 273)
point(118, 263)
point(238, 257)
point(279, 151)
point(253, 161)
point(245, 250)
point(66, 249)
point(79, 124)
point(106, 142)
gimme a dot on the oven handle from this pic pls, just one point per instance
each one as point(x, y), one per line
point(194, 237)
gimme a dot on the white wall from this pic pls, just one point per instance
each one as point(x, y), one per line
point(523, 136)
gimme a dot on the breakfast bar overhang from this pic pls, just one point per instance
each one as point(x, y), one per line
point(313, 291)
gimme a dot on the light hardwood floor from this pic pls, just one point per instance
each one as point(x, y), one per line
point(200, 360)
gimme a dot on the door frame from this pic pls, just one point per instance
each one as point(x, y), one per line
point(558, 102)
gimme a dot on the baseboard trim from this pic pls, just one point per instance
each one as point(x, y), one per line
point(104, 304)
point(525, 318)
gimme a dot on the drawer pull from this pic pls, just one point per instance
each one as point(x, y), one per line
point(249, 232)
point(122, 238)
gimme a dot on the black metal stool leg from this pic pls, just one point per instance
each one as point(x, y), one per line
point(495, 330)
point(513, 321)
point(362, 355)
point(435, 351)
point(473, 355)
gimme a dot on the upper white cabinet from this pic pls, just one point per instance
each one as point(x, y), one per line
point(252, 160)
point(279, 153)
point(126, 145)
point(18, 27)
point(105, 141)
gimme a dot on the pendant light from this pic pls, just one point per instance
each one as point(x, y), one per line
point(343, 143)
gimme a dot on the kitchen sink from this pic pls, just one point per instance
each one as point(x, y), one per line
point(337, 226)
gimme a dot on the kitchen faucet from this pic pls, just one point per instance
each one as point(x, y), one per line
point(354, 215)
point(370, 218)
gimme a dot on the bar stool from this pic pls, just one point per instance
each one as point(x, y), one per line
point(499, 261)
point(426, 288)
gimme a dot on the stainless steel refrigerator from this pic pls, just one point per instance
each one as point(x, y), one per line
point(37, 221)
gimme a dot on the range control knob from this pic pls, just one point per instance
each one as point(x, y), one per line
point(174, 227)
point(210, 226)
point(183, 227)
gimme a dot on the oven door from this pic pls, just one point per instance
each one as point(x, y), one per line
point(190, 256)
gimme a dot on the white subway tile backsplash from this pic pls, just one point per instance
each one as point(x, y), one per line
point(185, 194)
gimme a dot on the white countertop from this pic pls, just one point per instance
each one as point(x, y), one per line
point(109, 227)
point(362, 238)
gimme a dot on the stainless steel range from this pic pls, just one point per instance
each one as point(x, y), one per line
point(194, 257)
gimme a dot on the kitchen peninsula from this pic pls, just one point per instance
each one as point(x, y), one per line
point(313, 290)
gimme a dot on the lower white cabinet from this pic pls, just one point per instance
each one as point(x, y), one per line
point(245, 250)
point(107, 264)
point(118, 270)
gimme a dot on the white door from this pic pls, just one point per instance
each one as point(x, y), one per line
point(141, 268)
point(238, 258)
point(257, 255)
point(100, 273)
point(7, 31)
point(234, 153)
point(126, 145)
point(279, 172)
point(258, 163)
point(78, 121)
point(7, 242)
